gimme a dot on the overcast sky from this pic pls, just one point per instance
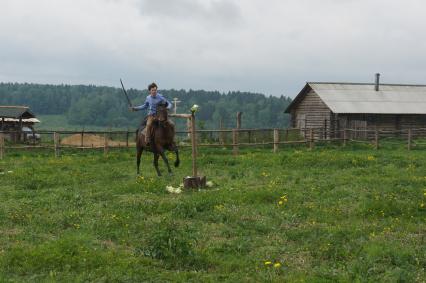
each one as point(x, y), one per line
point(269, 46)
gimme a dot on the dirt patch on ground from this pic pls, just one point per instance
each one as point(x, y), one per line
point(90, 141)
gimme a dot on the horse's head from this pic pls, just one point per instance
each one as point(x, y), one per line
point(162, 112)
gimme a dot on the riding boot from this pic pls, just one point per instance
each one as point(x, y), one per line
point(148, 132)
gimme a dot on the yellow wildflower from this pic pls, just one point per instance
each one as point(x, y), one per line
point(277, 265)
point(280, 202)
point(371, 158)
point(268, 263)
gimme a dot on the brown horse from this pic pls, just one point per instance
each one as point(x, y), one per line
point(162, 139)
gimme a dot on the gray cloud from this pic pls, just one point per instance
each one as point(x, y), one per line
point(271, 47)
point(222, 13)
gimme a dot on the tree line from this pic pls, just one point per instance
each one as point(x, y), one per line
point(85, 105)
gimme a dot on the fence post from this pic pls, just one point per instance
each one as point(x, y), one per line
point(193, 145)
point(376, 139)
point(325, 129)
point(311, 138)
point(409, 140)
point(344, 136)
point(239, 119)
point(286, 135)
point(82, 139)
point(276, 139)
point(105, 143)
point(56, 143)
point(127, 138)
point(235, 141)
point(1, 146)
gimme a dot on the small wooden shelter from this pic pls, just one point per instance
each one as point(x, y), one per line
point(13, 118)
point(337, 106)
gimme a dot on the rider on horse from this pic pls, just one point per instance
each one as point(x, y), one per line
point(151, 103)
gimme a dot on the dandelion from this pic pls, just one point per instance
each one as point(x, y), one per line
point(277, 265)
point(268, 263)
point(422, 205)
point(280, 202)
point(371, 158)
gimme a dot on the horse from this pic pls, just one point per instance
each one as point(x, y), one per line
point(162, 139)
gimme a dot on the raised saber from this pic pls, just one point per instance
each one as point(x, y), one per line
point(125, 93)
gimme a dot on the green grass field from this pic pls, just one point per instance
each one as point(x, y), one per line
point(331, 214)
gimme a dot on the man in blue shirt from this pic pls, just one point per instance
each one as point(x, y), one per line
point(151, 102)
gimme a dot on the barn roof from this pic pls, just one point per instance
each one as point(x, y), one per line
point(363, 98)
point(15, 112)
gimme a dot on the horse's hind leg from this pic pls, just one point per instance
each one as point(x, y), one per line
point(156, 156)
point(177, 162)
point(163, 155)
point(138, 159)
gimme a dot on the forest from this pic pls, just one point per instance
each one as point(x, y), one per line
point(85, 105)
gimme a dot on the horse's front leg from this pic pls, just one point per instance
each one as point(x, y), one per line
point(177, 162)
point(156, 156)
point(138, 158)
point(163, 155)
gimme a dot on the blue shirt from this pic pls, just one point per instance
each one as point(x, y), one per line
point(152, 102)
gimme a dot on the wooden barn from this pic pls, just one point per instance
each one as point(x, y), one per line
point(14, 118)
point(337, 106)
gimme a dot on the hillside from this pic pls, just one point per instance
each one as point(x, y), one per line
point(88, 106)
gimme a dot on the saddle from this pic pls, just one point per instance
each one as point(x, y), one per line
point(142, 128)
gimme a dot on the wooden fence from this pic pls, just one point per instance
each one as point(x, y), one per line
point(228, 138)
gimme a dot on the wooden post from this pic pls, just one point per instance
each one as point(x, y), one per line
point(344, 137)
point(235, 141)
point(239, 119)
point(409, 139)
point(311, 138)
point(1, 146)
point(127, 138)
point(286, 134)
point(325, 128)
point(105, 143)
point(376, 139)
point(194, 146)
point(194, 181)
point(56, 144)
point(82, 139)
point(276, 139)
point(304, 131)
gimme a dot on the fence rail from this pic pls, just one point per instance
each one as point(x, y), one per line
point(232, 138)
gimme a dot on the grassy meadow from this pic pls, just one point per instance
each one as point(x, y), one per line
point(330, 214)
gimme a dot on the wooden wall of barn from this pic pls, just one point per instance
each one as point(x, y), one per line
point(384, 122)
point(311, 112)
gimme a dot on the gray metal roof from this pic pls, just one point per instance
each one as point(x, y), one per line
point(15, 112)
point(362, 98)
